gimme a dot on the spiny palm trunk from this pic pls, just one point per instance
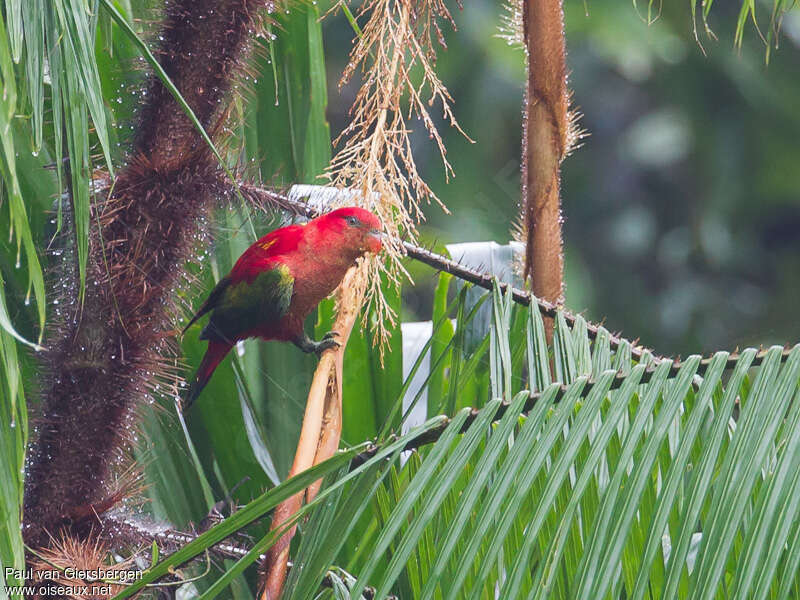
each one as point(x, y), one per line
point(546, 139)
point(105, 356)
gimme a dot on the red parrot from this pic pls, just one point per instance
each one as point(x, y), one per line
point(278, 281)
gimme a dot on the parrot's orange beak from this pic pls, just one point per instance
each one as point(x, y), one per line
point(374, 241)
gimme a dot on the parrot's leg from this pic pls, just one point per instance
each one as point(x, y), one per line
point(306, 344)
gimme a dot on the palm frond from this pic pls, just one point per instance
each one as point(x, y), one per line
point(594, 490)
point(587, 473)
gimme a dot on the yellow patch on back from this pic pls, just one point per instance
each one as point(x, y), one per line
point(268, 245)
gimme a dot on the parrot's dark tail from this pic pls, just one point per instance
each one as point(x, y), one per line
point(214, 355)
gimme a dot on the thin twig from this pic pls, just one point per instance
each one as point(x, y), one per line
point(138, 530)
point(127, 529)
point(441, 263)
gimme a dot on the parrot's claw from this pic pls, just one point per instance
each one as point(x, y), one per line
point(306, 344)
point(326, 343)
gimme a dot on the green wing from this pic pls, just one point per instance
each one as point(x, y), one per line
point(242, 306)
point(211, 301)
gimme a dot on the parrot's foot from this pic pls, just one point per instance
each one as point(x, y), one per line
point(306, 344)
point(326, 343)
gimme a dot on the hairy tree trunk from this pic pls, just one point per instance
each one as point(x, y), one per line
point(545, 143)
point(105, 355)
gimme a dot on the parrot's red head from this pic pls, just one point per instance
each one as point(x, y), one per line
point(354, 228)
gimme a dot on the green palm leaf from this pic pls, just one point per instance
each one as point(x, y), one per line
point(578, 484)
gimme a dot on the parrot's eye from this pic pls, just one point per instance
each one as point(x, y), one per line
point(352, 221)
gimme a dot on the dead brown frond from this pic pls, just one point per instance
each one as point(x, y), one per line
point(394, 55)
point(80, 568)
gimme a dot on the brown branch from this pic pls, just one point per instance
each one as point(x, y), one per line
point(545, 143)
point(134, 530)
point(266, 198)
point(321, 430)
point(127, 530)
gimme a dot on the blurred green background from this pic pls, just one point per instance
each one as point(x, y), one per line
point(682, 207)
